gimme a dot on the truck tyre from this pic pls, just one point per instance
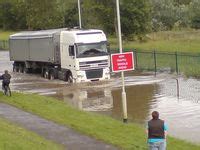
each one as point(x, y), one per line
point(21, 69)
point(15, 68)
point(27, 70)
point(51, 75)
point(69, 78)
point(46, 74)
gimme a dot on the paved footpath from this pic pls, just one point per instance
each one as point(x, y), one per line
point(71, 139)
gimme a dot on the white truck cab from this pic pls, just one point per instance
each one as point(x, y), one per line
point(85, 54)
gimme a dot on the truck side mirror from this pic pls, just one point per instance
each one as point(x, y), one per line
point(71, 50)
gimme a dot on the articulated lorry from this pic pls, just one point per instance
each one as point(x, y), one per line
point(72, 55)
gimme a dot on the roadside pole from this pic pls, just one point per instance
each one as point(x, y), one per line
point(79, 14)
point(124, 103)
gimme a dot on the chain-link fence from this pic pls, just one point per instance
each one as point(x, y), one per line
point(4, 44)
point(180, 63)
point(170, 62)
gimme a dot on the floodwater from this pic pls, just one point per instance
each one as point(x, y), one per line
point(145, 93)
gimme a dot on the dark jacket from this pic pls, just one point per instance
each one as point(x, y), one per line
point(6, 78)
point(156, 129)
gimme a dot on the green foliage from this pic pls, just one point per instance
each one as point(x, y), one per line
point(195, 14)
point(164, 14)
point(99, 14)
point(175, 14)
point(37, 14)
point(135, 17)
point(125, 136)
point(182, 2)
point(43, 14)
point(12, 14)
point(70, 16)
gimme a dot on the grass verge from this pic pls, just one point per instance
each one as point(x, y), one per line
point(126, 136)
point(4, 35)
point(169, 41)
point(13, 137)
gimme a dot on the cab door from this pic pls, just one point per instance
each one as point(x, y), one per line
point(71, 63)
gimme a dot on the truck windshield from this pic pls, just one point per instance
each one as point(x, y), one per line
point(91, 49)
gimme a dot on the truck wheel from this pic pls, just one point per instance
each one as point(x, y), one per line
point(27, 70)
point(21, 69)
point(70, 78)
point(51, 75)
point(15, 68)
point(46, 74)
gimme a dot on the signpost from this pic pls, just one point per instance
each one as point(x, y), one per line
point(120, 67)
point(123, 62)
point(79, 14)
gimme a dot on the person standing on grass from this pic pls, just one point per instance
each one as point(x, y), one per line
point(157, 132)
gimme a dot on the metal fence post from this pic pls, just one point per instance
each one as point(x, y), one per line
point(177, 87)
point(176, 56)
point(155, 63)
point(4, 44)
point(136, 61)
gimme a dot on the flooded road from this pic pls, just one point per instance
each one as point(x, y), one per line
point(145, 93)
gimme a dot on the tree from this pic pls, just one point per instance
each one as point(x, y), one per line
point(164, 14)
point(135, 17)
point(5, 14)
point(182, 2)
point(71, 16)
point(43, 14)
point(12, 14)
point(99, 14)
point(195, 14)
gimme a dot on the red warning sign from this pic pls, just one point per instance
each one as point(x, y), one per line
point(122, 62)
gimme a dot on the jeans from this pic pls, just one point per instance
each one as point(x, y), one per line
point(157, 146)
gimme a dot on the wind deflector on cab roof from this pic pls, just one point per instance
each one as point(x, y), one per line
point(88, 33)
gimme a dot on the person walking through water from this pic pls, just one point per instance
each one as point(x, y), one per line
point(157, 132)
point(6, 79)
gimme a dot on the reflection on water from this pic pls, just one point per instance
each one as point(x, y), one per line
point(144, 94)
point(137, 103)
point(89, 99)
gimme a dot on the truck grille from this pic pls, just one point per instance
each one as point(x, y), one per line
point(93, 65)
point(94, 73)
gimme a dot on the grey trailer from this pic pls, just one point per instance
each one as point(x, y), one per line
point(37, 46)
point(36, 49)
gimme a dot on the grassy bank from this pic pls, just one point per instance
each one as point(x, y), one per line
point(170, 41)
point(13, 137)
point(4, 35)
point(125, 136)
point(180, 41)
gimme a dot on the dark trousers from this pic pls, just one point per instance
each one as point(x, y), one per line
point(5, 84)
